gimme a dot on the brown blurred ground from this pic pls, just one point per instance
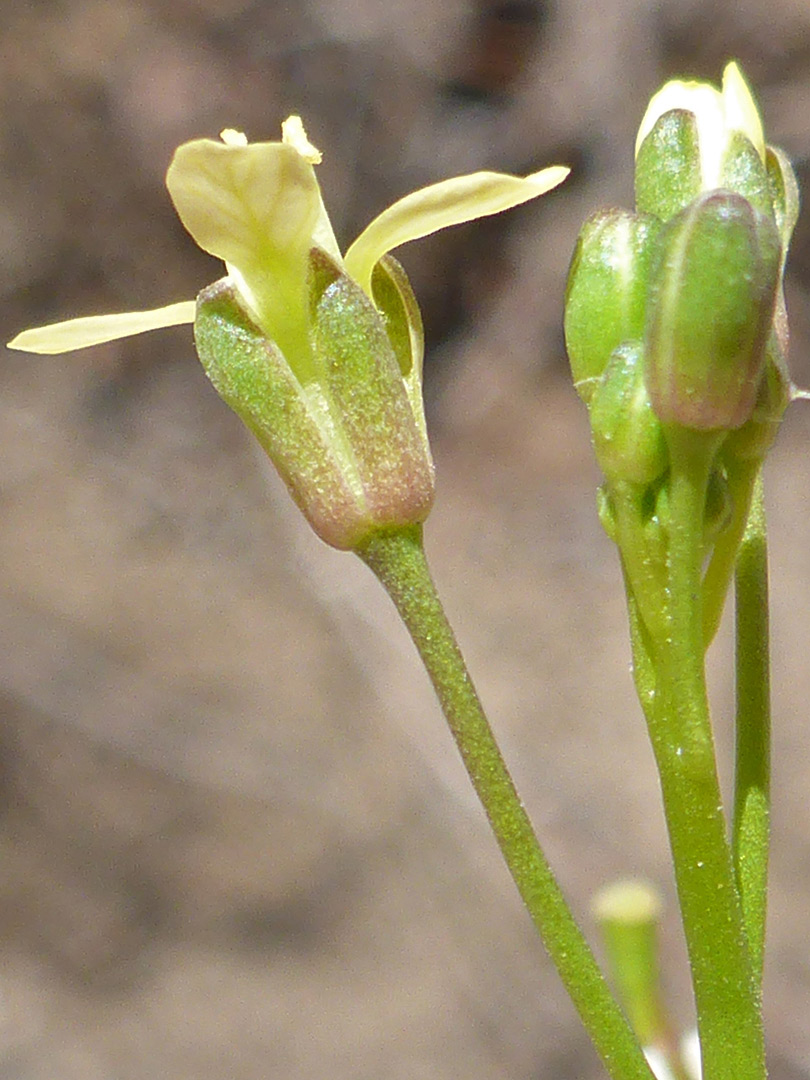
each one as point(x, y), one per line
point(235, 837)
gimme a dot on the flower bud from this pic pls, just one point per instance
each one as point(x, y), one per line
point(606, 291)
point(627, 435)
point(713, 287)
point(695, 138)
point(345, 441)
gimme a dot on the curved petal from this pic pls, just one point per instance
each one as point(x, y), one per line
point(96, 329)
point(255, 206)
point(438, 206)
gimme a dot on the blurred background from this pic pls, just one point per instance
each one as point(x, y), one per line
point(235, 837)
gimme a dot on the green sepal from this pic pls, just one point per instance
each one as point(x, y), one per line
point(368, 404)
point(784, 191)
point(395, 301)
point(627, 435)
point(713, 287)
point(606, 291)
point(394, 298)
point(668, 174)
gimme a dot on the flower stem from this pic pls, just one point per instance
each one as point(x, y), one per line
point(397, 559)
point(727, 1003)
point(751, 828)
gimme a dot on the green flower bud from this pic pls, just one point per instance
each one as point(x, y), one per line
point(345, 441)
point(627, 435)
point(713, 287)
point(606, 291)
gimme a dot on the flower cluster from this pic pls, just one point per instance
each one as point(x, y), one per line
point(676, 331)
point(674, 313)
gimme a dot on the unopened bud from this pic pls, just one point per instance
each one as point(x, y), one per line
point(606, 291)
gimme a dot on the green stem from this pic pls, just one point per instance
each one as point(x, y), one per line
point(641, 539)
point(398, 560)
point(644, 677)
point(729, 1020)
point(751, 829)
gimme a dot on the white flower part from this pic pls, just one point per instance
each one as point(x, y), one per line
point(705, 102)
point(690, 1059)
point(256, 207)
point(293, 134)
point(658, 1064)
point(690, 1054)
point(232, 137)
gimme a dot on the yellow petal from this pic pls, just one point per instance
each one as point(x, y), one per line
point(255, 206)
point(438, 206)
point(96, 329)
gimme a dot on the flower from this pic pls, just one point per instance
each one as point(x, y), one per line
point(319, 352)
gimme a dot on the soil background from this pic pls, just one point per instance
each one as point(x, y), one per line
point(235, 837)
